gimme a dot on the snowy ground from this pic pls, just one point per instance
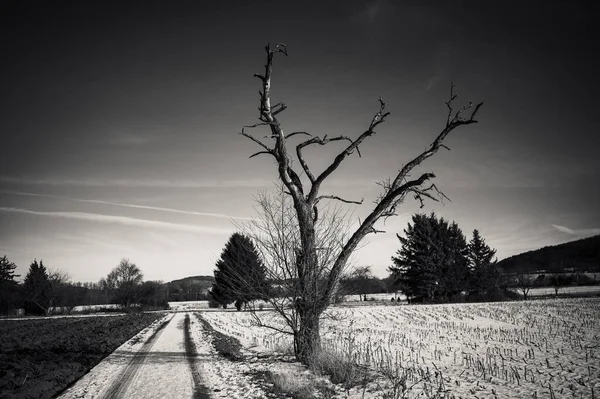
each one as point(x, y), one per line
point(174, 358)
point(542, 349)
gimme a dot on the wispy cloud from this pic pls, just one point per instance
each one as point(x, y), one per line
point(120, 204)
point(577, 232)
point(175, 184)
point(122, 220)
point(150, 183)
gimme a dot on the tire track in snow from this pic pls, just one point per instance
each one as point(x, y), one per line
point(200, 390)
point(119, 386)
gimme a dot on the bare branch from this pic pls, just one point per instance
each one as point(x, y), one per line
point(335, 197)
point(259, 323)
point(256, 125)
point(295, 133)
point(257, 141)
point(453, 123)
point(377, 119)
point(260, 153)
point(315, 140)
point(449, 104)
point(280, 108)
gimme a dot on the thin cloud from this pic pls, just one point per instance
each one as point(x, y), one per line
point(122, 220)
point(577, 232)
point(120, 204)
point(150, 183)
point(157, 183)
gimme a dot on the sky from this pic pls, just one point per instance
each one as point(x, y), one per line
point(119, 121)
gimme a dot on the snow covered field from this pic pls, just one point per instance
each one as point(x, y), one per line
point(536, 349)
point(543, 349)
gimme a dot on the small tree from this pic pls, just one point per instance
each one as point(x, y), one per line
point(61, 296)
point(558, 281)
point(124, 282)
point(9, 288)
point(485, 274)
point(524, 282)
point(240, 273)
point(277, 237)
point(37, 289)
point(360, 280)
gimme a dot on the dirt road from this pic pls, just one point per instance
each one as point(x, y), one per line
point(162, 365)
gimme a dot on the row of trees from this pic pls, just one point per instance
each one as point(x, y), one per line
point(45, 291)
point(435, 262)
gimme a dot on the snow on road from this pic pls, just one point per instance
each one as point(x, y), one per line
point(154, 364)
point(172, 358)
point(164, 371)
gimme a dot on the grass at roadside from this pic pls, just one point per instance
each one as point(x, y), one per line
point(41, 357)
point(227, 346)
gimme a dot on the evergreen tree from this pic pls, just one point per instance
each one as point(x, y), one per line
point(9, 288)
point(37, 289)
point(240, 274)
point(485, 274)
point(7, 271)
point(454, 271)
point(432, 262)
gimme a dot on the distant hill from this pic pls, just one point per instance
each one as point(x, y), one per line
point(581, 255)
point(194, 280)
point(193, 288)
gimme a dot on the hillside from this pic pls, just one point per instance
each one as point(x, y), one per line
point(191, 288)
point(194, 280)
point(581, 255)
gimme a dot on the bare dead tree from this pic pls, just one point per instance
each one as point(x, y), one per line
point(312, 302)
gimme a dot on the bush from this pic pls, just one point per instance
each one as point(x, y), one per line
point(289, 384)
point(341, 369)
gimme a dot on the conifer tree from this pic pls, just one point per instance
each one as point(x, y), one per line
point(37, 288)
point(485, 274)
point(432, 263)
point(7, 271)
point(240, 274)
point(8, 285)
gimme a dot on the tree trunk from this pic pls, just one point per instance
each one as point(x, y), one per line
point(307, 342)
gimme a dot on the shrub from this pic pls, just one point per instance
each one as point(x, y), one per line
point(287, 383)
point(341, 369)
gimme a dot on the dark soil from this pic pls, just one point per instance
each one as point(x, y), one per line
point(42, 357)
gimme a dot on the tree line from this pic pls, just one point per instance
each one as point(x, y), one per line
point(47, 291)
point(437, 264)
point(434, 264)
